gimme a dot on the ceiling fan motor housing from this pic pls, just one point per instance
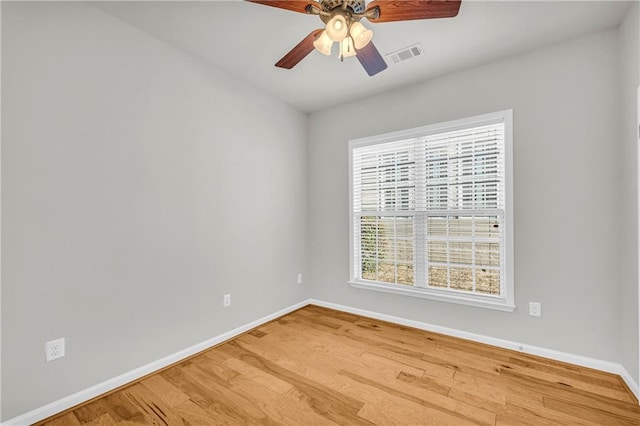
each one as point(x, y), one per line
point(353, 6)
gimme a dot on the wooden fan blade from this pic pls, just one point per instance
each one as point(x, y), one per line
point(406, 10)
point(371, 59)
point(294, 5)
point(299, 52)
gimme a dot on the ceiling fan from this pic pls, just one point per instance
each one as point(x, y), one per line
point(342, 19)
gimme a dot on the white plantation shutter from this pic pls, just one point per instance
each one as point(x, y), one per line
point(428, 211)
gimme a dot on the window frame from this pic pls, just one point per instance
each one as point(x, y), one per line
point(504, 302)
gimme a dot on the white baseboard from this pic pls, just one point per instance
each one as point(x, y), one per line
point(610, 367)
point(108, 385)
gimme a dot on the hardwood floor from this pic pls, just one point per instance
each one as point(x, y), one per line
point(317, 366)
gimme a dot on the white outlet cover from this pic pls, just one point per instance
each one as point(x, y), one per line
point(54, 349)
point(535, 309)
point(226, 300)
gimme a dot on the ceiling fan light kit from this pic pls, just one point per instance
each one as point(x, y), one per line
point(360, 34)
point(323, 44)
point(337, 28)
point(343, 26)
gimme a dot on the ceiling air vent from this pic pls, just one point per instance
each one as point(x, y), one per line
point(405, 54)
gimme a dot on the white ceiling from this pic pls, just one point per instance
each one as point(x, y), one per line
point(246, 39)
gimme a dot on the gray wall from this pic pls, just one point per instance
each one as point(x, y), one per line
point(628, 228)
point(137, 188)
point(567, 193)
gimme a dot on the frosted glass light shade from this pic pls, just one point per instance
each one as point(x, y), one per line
point(337, 28)
point(361, 35)
point(323, 44)
point(346, 48)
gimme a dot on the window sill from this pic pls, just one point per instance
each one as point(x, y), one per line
point(424, 293)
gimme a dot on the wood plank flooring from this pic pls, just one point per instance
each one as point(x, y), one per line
point(317, 366)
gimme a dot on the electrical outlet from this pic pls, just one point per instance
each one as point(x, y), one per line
point(226, 300)
point(54, 349)
point(535, 309)
point(300, 278)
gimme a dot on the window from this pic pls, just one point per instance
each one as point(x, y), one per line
point(431, 212)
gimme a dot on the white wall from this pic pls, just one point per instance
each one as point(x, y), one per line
point(629, 36)
point(137, 188)
point(567, 193)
